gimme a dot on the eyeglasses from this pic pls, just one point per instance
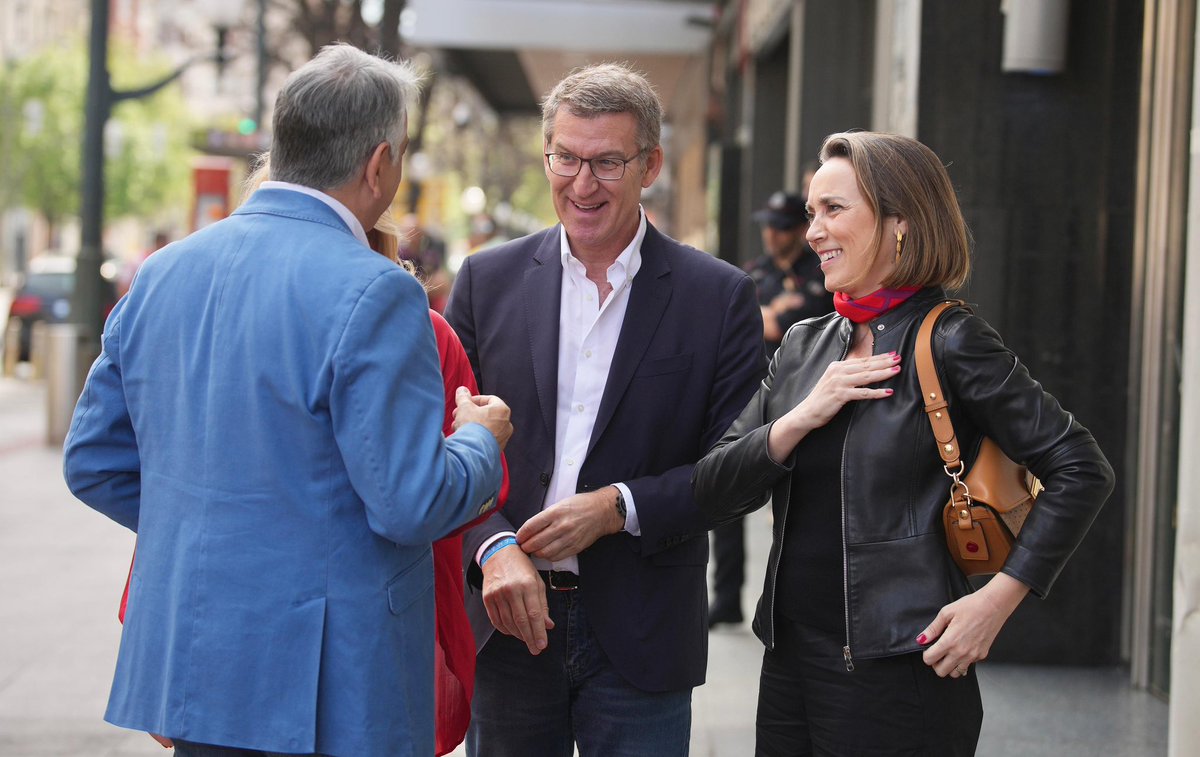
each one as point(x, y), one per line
point(604, 169)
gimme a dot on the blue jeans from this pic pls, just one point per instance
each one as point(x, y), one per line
point(570, 693)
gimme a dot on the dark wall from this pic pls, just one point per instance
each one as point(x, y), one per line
point(836, 65)
point(1044, 168)
point(730, 210)
point(768, 139)
point(839, 43)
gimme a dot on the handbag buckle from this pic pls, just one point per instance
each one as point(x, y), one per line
point(960, 495)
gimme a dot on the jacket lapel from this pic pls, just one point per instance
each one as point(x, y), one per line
point(542, 292)
point(647, 302)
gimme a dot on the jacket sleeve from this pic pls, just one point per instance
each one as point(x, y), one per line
point(461, 317)
point(101, 463)
point(736, 476)
point(995, 392)
point(387, 406)
point(456, 372)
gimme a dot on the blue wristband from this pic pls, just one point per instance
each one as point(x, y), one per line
point(507, 541)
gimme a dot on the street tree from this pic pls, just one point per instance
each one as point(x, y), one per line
point(501, 155)
point(146, 143)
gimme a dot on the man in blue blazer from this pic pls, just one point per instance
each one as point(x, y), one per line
point(624, 356)
point(267, 415)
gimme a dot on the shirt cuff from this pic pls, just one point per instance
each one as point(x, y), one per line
point(632, 524)
point(489, 542)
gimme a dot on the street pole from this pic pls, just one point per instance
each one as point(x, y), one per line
point(87, 299)
point(261, 74)
point(86, 308)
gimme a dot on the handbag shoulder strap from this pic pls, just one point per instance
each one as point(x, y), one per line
point(931, 387)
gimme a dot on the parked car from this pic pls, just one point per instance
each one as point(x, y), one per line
point(45, 295)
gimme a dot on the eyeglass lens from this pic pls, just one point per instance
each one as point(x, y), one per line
point(565, 164)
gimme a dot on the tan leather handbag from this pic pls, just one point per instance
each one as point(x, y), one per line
point(987, 506)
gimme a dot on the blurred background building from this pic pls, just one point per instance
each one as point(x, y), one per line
point(1067, 128)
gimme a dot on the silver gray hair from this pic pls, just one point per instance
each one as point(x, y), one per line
point(607, 88)
point(334, 111)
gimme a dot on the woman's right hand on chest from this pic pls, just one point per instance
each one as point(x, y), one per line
point(843, 381)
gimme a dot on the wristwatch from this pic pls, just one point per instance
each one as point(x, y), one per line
point(620, 502)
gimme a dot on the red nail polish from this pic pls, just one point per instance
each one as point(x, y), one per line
point(889, 392)
point(921, 639)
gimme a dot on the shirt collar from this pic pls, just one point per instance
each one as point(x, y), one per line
point(342, 211)
point(628, 262)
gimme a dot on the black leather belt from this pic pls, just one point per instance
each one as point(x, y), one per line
point(561, 580)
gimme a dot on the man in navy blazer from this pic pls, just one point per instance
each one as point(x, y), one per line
point(267, 415)
point(624, 356)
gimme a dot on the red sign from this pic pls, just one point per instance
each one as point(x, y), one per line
point(210, 181)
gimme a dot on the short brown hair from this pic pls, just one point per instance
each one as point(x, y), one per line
point(607, 88)
point(899, 176)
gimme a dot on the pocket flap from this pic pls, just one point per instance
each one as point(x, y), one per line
point(662, 365)
point(411, 583)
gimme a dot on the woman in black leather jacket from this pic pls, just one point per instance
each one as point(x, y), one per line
point(870, 628)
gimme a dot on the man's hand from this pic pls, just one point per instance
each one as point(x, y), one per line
point(163, 741)
point(486, 410)
point(515, 598)
point(572, 525)
point(785, 301)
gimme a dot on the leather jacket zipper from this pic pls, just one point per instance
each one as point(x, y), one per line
point(775, 570)
point(845, 556)
point(846, 654)
point(783, 532)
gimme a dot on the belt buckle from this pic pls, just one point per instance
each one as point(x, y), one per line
point(550, 574)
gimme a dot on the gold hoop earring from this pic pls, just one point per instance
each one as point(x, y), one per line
point(899, 242)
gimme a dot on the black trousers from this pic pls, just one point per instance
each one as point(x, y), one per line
point(809, 704)
point(729, 569)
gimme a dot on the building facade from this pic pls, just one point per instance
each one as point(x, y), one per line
point(1066, 130)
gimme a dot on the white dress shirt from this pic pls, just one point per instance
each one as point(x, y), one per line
point(588, 331)
point(356, 227)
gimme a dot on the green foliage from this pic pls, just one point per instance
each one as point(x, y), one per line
point(532, 195)
point(46, 102)
point(147, 155)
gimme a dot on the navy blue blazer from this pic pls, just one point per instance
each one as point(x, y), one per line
point(688, 359)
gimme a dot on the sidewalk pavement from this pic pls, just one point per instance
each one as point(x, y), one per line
point(65, 565)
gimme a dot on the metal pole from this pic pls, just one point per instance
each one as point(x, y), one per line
point(261, 82)
point(86, 305)
point(87, 299)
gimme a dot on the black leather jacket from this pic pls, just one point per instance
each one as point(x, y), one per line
point(897, 572)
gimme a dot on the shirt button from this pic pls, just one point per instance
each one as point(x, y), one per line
point(570, 461)
point(579, 408)
point(588, 298)
point(587, 353)
point(879, 327)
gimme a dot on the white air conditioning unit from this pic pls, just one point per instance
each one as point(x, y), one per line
point(1035, 36)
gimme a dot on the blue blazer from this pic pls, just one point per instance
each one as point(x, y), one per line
point(688, 359)
point(267, 415)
